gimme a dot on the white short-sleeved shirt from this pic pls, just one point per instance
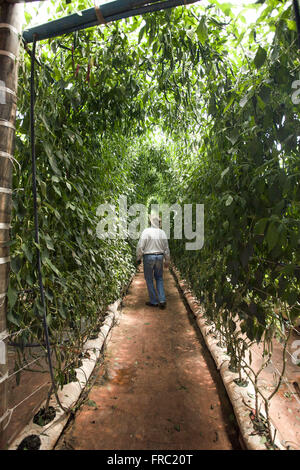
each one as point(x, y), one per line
point(153, 240)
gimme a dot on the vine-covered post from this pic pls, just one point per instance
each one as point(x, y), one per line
point(11, 17)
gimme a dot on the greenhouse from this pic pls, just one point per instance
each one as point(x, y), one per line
point(150, 227)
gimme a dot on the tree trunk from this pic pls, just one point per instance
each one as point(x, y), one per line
point(11, 17)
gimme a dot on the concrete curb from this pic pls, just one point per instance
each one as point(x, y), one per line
point(240, 397)
point(71, 392)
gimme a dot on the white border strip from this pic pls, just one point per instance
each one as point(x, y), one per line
point(7, 124)
point(8, 54)
point(10, 157)
point(4, 333)
point(7, 90)
point(6, 190)
point(2, 379)
point(10, 27)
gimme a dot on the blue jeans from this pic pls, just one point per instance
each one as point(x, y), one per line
point(153, 264)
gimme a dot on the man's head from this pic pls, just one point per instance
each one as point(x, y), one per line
point(154, 220)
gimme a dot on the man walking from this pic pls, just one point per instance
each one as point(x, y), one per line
point(154, 248)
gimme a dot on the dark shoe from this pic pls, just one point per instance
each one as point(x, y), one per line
point(162, 305)
point(151, 305)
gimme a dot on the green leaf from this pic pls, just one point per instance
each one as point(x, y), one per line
point(141, 33)
point(260, 57)
point(291, 25)
point(231, 100)
point(202, 31)
point(27, 252)
point(13, 319)
point(49, 263)
point(244, 100)
point(260, 226)
point(12, 296)
point(92, 403)
point(272, 236)
point(16, 264)
point(53, 164)
point(292, 297)
point(49, 242)
point(225, 7)
point(229, 201)
point(224, 172)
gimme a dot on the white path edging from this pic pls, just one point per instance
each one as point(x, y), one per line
point(240, 397)
point(71, 392)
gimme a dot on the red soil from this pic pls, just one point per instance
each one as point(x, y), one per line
point(157, 388)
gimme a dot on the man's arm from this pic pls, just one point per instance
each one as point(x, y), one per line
point(166, 252)
point(140, 247)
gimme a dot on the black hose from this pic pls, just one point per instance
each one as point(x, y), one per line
point(297, 15)
point(36, 221)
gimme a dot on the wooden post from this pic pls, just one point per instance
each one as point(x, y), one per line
point(11, 17)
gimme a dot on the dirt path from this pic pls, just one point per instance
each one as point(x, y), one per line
point(158, 387)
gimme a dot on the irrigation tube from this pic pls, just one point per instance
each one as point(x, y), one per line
point(88, 18)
